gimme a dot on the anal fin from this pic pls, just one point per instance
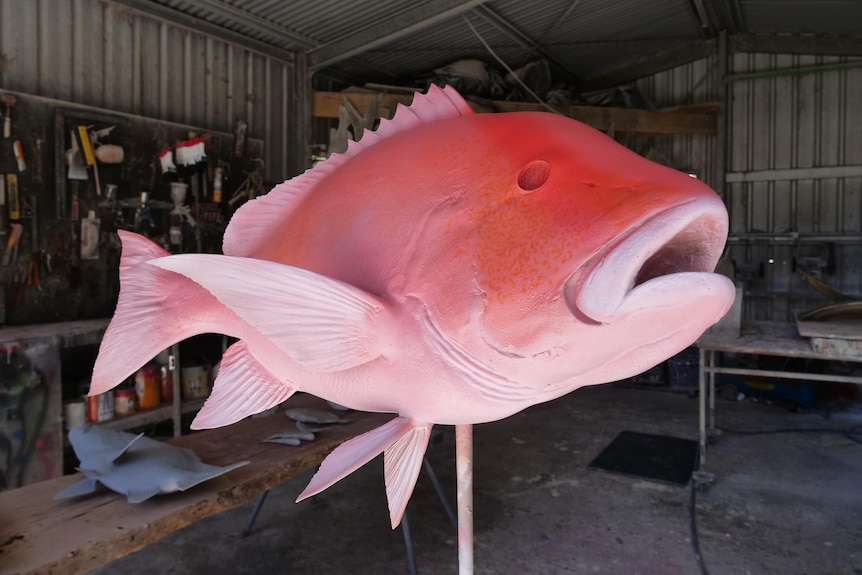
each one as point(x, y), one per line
point(403, 443)
point(243, 387)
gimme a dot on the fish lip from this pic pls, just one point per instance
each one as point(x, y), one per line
point(687, 238)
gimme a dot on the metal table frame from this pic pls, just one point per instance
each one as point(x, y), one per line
point(756, 338)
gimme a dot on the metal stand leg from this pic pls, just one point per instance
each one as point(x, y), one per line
point(437, 487)
point(254, 513)
point(464, 467)
point(713, 433)
point(700, 478)
point(701, 380)
point(408, 542)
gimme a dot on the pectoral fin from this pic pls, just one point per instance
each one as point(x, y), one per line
point(82, 487)
point(320, 322)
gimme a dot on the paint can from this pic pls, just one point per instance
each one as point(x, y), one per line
point(75, 413)
point(124, 402)
point(167, 383)
point(147, 387)
point(100, 407)
point(194, 380)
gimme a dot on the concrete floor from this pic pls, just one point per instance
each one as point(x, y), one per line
point(788, 504)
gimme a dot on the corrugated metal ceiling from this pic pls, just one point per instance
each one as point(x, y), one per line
point(392, 40)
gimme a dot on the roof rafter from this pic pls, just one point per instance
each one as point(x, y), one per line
point(677, 55)
point(249, 20)
point(518, 36)
point(830, 45)
point(387, 30)
point(194, 23)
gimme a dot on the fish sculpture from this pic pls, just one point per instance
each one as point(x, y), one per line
point(136, 466)
point(449, 268)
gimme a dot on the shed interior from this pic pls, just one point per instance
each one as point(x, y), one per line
point(760, 99)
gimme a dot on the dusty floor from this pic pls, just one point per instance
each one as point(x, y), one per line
point(784, 504)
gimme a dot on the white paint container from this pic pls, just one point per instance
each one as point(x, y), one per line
point(195, 383)
point(75, 413)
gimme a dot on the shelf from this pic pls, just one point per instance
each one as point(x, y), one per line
point(154, 415)
point(70, 333)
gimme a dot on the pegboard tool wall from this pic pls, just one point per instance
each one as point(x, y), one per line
point(51, 206)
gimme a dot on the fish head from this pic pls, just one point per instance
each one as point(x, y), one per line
point(590, 261)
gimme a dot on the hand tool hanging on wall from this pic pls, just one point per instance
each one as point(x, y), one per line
point(9, 101)
point(217, 184)
point(36, 158)
point(75, 213)
point(33, 271)
point(16, 299)
point(76, 170)
point(18, 149)
point(11, 253)
point(106, 153)
point(89, 157)
point(4, 215)
point(12, 196)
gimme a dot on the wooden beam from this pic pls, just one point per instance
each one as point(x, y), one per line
point(623, 120)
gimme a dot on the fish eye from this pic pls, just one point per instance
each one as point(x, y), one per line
point(534, 175)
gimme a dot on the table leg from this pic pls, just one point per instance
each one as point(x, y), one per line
point(711, 364)
point(701, 376)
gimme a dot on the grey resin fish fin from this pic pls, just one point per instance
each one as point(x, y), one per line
point(83, 487)
point(318, 321)
point(205, 473)
point(142, 495)
point(96, 447)
point(257, 221)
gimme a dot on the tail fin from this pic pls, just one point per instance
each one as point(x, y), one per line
point(156, 309)
point(403, 442)
point(243, 387)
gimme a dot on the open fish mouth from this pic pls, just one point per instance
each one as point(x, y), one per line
point(666, 262)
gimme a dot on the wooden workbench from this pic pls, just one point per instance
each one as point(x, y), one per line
point(41, 535)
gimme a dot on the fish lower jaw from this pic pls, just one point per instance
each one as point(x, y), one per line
point(704, 297)
point(664, 261)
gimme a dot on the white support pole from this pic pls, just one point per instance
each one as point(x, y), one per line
point(464, 468)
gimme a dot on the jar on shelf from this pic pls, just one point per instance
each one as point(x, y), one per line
point(148, 387)
point(195, 382)
point(124, 401)
point(100, 407)
point(166, 380)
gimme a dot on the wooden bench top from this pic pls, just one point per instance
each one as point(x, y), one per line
point(41, 535)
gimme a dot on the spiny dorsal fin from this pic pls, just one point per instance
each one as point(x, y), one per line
point(255, 222)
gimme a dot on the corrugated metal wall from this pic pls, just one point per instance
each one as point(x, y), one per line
point(107, 55)
point(786, 225)
point(789, 222)
point(694, 83)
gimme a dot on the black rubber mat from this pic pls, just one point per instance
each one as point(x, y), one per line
point(655, 457)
